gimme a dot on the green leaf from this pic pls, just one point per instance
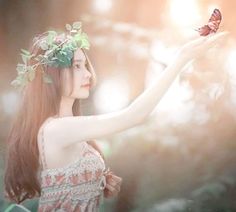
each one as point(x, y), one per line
point(77, 25)
point(70, 54)
point(63, 53)
point(53, 58)
point(53, 64)
point(20, 77)
point(54, 47)
point(30, 68)
point(84, 35)
point(26, 52)
point(20, 68)
point(60, 57)
point(67, 52)
point(31, 75)
point(39, 57)
point(73, 43)
point(68, 27)
point(85, 44)
point(73, 31)
point(50, 38)
point(24, 58)
point(79, 43)
point(44, 45)
point(52, 33)
point(77, 37)
point(47, 54)
point(15, 83)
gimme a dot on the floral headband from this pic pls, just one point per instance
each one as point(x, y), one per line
point(58, 51)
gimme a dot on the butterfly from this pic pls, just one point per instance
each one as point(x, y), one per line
point(213, 24)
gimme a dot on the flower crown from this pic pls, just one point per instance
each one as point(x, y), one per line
point(58, 51)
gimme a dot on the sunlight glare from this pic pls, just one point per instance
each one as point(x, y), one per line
point(184, 13)
point(112, 95)
point(9, 102)
point(102, 5)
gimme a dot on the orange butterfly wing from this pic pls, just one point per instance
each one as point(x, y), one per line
point(213, 24)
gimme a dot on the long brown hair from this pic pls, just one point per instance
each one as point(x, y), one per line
point(39, 101)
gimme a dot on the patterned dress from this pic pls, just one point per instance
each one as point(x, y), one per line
point(76, 187)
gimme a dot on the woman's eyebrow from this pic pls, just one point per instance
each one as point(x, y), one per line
point(79, 60)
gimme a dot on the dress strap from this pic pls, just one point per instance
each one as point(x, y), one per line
point(43, 161)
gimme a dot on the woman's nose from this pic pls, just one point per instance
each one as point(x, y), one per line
point(88, 74)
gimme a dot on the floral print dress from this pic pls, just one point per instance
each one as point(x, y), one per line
point(76, 187)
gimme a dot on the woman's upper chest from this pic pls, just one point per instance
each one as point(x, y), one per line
point(52, 156)
point(87, 166)
point(62, 158)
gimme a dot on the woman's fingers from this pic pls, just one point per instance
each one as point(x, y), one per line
point(198, 47)
point(113, 184)
point(114, 178)
point(113, 189)
point(216, 38)
point(209, 40)
point(108, 194)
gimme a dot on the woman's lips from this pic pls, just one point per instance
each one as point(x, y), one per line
point(86, 86)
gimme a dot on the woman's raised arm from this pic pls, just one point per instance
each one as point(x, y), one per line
point(146, 102)
point(67, 131)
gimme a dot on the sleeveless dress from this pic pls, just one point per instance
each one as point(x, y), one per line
point(76, 187)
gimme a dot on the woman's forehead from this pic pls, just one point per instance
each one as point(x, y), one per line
point(79, 55)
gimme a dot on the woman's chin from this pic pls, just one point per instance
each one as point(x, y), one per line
point(84, 95)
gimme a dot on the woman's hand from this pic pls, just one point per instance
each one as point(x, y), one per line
point(196, 48)
point(113, 184)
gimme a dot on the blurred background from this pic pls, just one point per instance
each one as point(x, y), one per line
point(183, 157)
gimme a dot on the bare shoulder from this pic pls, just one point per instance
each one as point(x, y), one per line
point(53, 130)
point(50, 150)
point(45, 126)
point(62, 130)
point(43, 132)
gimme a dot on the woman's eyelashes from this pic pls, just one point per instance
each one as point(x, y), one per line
point(79, 66)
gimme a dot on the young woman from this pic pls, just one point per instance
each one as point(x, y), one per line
point(51, 149)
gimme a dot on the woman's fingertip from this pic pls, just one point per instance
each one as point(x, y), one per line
point(226, 32)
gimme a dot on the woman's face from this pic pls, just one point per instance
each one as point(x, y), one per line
point(81, 76)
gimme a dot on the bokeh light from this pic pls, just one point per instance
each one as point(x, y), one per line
point(184, 13)
point(102, 6)
point(111, 95)
point(231, 62)
point(9, 102)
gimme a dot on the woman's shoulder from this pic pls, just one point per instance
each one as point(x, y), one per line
point(45, 123)
point(44, 129)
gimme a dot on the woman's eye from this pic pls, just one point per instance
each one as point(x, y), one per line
point(77, 66)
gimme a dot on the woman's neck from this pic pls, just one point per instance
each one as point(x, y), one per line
point(66, 105)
